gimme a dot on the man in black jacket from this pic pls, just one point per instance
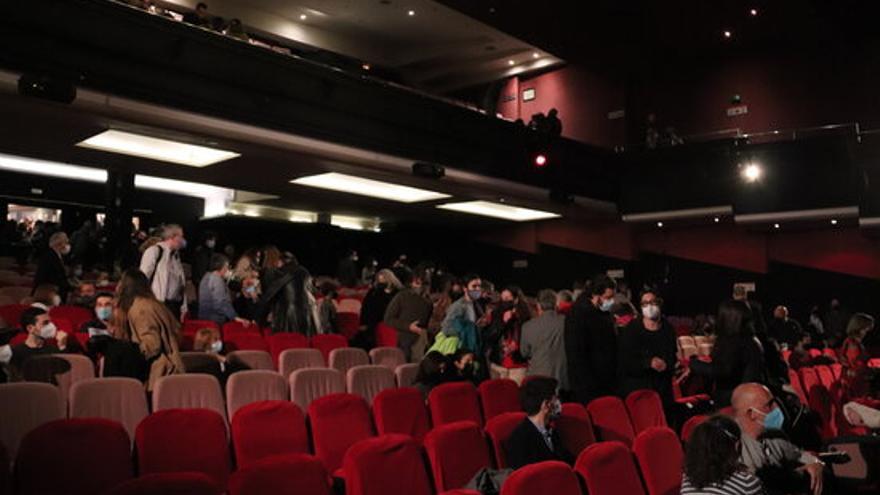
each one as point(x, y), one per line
point(50, 267)
point(534, 440)
point(591, 344)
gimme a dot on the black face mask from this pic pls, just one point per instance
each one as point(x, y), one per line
point(506, 306)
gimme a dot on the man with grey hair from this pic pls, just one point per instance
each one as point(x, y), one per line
point(50, 267)
point(161, 264)
point(542, 341)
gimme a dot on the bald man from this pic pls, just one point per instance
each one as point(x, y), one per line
point(766, 451)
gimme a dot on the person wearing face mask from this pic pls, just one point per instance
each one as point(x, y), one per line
point(408, 313)
point(214, 301)
point(646, 351)
point(534, 439)
point(85, 295)
point(373, 307)
point(51, 268)
point(782, 466)
point(246, 300)
point(45, 297)
point(40, 330)
point(202, 258)
point(503, 335)
point(164, 270)
point(590, 342)
point(467, 310)
point(102, 324)
point(712, 461)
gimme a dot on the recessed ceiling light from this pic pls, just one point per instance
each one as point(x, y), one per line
point(833, 222)
point(660, 224)
point(165, 150)
point(775, 225)
point(727, 34)
point(411, 13)
point(355, 223)
point(536, 55)
point(753, 12)
point(303, 17)
point(368, 187)
point(496, 210)
point(511, 62)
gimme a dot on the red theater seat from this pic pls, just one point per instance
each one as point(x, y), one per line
point(280, 342)
point(550, 477)
point(575, 428)
point(73, 456)
point(193, 326)
point(608, 469)
point(236, 328)
point(298, 474)
point(269, 428)
point(451, 402)
point(327, 342)
point(826, 376)
point(184, 440)
point(386, 335)
point(12, 313)
point(795, 382)
point(499, 396)
point(610, 420)
point(499, 429)
point(688, 427)
point(387, 465)
point(246, 342)
point(188, 483)
point(76, 315)
point(645, 410)
point(456, 452)
point(402, 411)
point(349, 323)
point(338, 421)
point(658, 452)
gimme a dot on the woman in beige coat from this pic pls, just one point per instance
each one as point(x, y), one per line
point(146, 322)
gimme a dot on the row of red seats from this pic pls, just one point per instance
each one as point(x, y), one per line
point(820, 388)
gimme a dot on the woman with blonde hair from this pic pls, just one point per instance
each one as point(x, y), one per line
point(856, 377)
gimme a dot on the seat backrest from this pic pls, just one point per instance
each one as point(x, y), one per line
point(688, 427)
point(309, 384)
point(193, 326)
point(85, 456)
point(252, 360)
point(280, 342)
point(81, 367)
point(659, 455)
point(291, 360)
point(349, 305)
point(795, 382)
point(386, 335)
point(292, 473)
point(201, 362)
point(836, 370)
point(705, 349)
point(236, 327)
point(387, 465)
point(345, 358)
point(575, 428)
point(809, 378)
point(451, 402)
point(456, 452)
point(687, 340)
point(499, 428)
point(645, 410)
point(826, 376)
point(183, 440)
point(76, 315)
point(689, 350)
point(187, 483)
point(552, 477)
point(401, 410)
point(368, 380)
point(115, 398)
point(499, 396)
point(337, 422)
point(189, 391)
point(327, 342)
point(390, 357)
point(12, 312)
point(246, 342)
point(610, 420)
point(268, 428)
point(608, 469)
point(406, 374)
point(26, 406)
point(245, 387)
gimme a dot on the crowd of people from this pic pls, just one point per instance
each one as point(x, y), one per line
point(575, 345)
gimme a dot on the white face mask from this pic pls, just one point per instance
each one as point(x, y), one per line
point(48, 331)
point(216, 347)
point(5, 354)
point(651, 311)
point(65, 249)
point(56, 300)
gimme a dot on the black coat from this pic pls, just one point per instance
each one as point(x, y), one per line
point(51, 270)
point(526, 446)
point(591, 350)
point(636, 347)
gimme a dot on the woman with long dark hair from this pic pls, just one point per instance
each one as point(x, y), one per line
point(502, 339)
point(289, 303)
point(712, 461)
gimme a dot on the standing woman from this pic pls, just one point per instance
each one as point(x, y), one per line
point(145, 321)
point(854, 357)
point(374, 305)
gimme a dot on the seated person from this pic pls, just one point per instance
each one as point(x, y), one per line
point(35, 321)
point(432, 372)
point(214, 301)
point(102, 324)
point(711, 462)
point(534, 440)
point(462, 366)
point(45, 296)
point(85, 295)
point(782, 466)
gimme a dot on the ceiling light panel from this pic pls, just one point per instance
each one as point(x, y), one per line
point(164, 150)
point(496, 210)
point(368, 187)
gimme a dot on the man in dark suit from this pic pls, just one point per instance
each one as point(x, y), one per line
point(51, 269)
point(534, 440)
point(590, 342)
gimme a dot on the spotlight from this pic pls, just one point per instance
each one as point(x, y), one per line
point(717, 219)
point(753, 12)
point(727, 34)
point(660, 224)
point(411, 13)
point(833, 222)
point(511, 62)
point(775, 225)
point(540, 160)
point(752, 172)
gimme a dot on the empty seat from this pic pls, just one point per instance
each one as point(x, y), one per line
point(201, 362)
point(291, 360)
point(115, 398)
point(836, 370)
point(386, 335)
point(456, 452)
point(236, 327)
point(309, 384)
point(610, 420)
point(575, 428)
point(499, 396)
point(829, 353)
point(25, 407)
point(327, 343)
point(687, 340)
point(688, 427)
point(183, 440)
point(12, 312)
point(81, 367)
point(73, 456)
point(348, 323)
point(190, 391)
point(452, 402)
point(659, 455)
point(266, 429)
point(346, 358)
point(551, 477)
point(337, 422)
point(349, 305)
point(645, 410)
point(795, 382)
point(299, 474)
point(252, 360)
point(280, 342)
point(187, 483)
point(826, 376)
point(401, 410)
point(387, 465)
point(499, 429)
point(406, 374)
point(245, 387)
point(76, 315)
point(608, 469)
point(246, 342)
point(367, 381)
point(390, 357)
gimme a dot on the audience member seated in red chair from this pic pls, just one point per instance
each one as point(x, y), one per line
point(712, 465)
point(535, 440)
point(35, 321)
point(102, 323)
point(856, 377)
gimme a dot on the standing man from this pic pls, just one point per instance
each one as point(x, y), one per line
point(543, 341)
point(591, 344)
point(50, 267)
point(161, 264)
point(202, 258)
point(409, 312)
